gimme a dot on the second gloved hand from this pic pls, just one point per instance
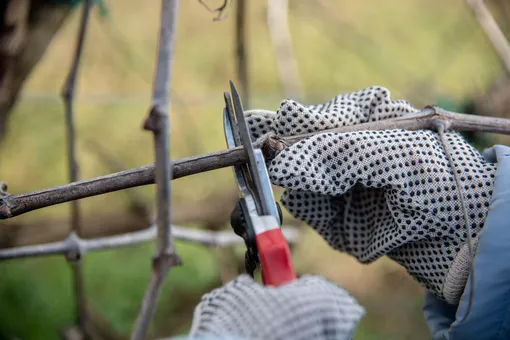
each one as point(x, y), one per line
point(376, 193)
point(310, 307)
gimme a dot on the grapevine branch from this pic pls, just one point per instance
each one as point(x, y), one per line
point(241, 50)
point(158, 122)
point(279, 32)
point(492, 31)
point(14, 205)
point(68, 95)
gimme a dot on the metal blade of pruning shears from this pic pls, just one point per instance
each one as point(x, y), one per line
point(258, 209)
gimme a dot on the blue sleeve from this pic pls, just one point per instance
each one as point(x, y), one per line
point(439, 316)
point(489, 317)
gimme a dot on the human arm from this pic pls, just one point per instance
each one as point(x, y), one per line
point(489, 317)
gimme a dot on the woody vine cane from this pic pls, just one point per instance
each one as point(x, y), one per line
point(12, 205)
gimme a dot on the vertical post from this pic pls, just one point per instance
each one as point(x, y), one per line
point(492, 31)
point(68, 95)
point(158, 122)
point(241, 55)
point(278, 26)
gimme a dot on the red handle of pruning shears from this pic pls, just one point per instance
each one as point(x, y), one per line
point(275, 258)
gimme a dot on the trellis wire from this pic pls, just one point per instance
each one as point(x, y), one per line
point(73, 243)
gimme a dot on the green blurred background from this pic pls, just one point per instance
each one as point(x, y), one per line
point(425, 51)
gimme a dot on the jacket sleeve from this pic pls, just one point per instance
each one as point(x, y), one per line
point(489, 317)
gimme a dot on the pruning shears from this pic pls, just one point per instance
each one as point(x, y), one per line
point(257, 217)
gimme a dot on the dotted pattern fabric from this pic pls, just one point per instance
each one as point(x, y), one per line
point(293, 118)
point(308, 308)
point(376, 193)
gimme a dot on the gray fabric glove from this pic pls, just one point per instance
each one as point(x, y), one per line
point(376, 193)
point(308, 308)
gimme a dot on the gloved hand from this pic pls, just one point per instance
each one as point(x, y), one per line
point(308, 308)
point(375, 193)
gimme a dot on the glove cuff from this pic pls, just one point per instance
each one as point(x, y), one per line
point(458, 274)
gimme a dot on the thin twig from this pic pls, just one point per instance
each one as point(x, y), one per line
point(492, 30)
point(159, 123)
point(221, 10)
point(441, 129)
point(278, 26)
point(68, 95)
point(14, 205)
point(75, 244)
point(241, 55)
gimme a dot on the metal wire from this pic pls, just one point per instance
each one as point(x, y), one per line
point(73, 243)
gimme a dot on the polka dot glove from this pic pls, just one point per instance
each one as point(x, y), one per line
point(375, 193)
point(308, 308)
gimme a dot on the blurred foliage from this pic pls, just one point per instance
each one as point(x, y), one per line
point(423, 51)
point(37, 297)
